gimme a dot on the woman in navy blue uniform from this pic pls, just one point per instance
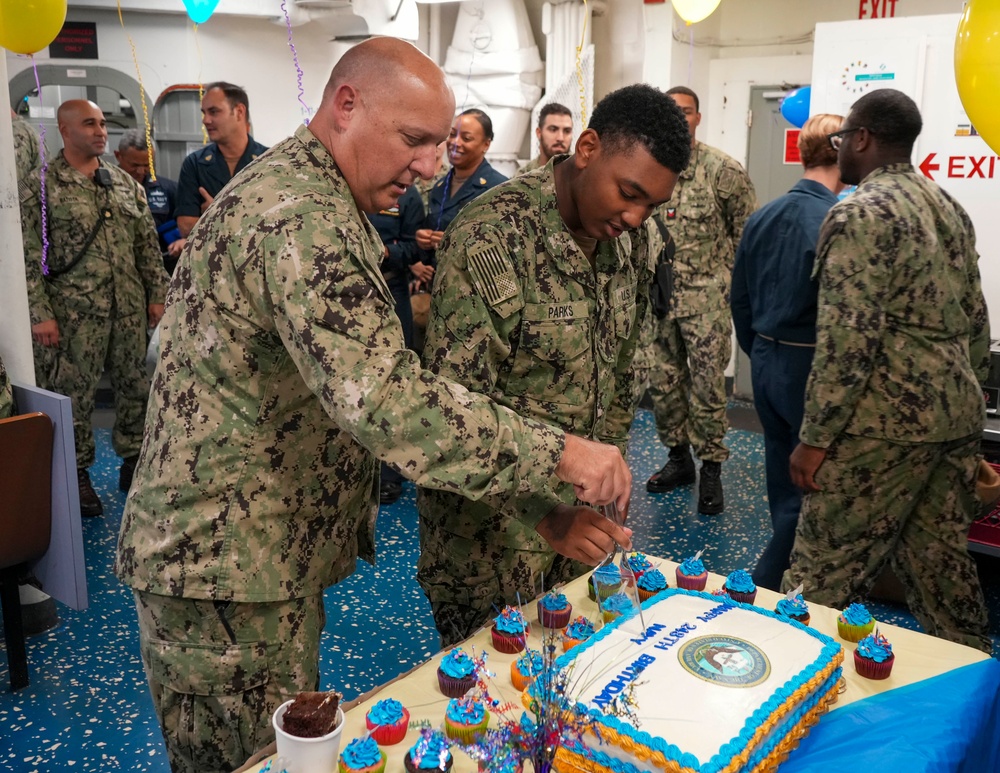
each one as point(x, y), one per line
point(470, 175)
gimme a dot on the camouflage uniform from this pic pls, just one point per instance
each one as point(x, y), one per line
point(531, 166)
point(281, 364)
point(894, 397)
point(711, 202)
point(518, 315)
point(425, 186)
point(101, 303)
point(27, 155)
point(6, 394)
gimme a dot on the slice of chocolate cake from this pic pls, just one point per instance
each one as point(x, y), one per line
point(312, 714)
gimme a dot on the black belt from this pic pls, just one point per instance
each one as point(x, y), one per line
point(787, 343)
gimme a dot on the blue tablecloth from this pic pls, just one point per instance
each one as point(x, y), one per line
point(949, 723)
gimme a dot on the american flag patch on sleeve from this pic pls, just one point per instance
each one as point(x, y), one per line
point(493, 275)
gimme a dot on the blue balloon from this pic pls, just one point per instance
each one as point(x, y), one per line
point(200, 10)
point(795, 106)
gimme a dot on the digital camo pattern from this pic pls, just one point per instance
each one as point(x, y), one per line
point(902, 340)
point(531, 166)
point(520, 314)
point(710, 205)
point(687, 382)
point(902, 330)
point(101, 303)
point(214, 692)
point(425, 186)
point(281, 364)
point(87, 345)
point(706, 214)
point(122, 271)
point(906, 504)
point(27, 153)
point(6, 394)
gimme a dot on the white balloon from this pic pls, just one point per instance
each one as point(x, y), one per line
point(693, 11)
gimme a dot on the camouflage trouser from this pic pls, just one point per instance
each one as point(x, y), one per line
point(468, 582)
point(74, 367)
point(687, 382)
point(908, 504)
point(6, 394)
point(218, 670)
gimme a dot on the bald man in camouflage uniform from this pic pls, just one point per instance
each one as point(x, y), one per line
point(894, 410)
point(538, 302)
point(105, 284)
point(693, 343)
point(282, 381)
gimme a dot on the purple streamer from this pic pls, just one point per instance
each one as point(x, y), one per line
point(44, 170)
point(295, 61)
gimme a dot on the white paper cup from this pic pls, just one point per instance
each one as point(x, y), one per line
point(307, 755)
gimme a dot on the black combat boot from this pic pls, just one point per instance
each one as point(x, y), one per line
point(126, 472)
point(710, 501)
point(678, 471)
point(90, 503)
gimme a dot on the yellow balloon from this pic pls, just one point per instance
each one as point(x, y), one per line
point(977, 67)
point(693, 11)
point(28, 26)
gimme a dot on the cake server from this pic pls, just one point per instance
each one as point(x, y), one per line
point(628, 576)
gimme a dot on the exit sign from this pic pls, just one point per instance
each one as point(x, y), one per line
point(876, 9)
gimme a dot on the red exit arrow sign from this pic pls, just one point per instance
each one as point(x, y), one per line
point(926, 167)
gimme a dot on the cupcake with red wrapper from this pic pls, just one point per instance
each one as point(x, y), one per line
point(525, 669)
point(465, 719)
point(691, 573)
point(873, 657)
point(510, 631)
point(554, 610)
point(362, 755)
point(650, 583)
point(577, 632)
point(855, 623)
point(638, 563)
point(387, 721)
point(456, 674)
point(428, 754)
point(740, 587)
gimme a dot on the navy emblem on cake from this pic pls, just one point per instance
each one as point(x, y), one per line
point(725, 660)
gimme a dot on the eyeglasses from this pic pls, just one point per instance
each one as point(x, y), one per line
point(837, 138)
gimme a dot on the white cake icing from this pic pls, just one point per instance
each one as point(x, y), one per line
point(717, 685)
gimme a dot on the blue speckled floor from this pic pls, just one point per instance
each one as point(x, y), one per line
point(88, 709)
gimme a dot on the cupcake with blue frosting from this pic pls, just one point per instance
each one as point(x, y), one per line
point(740, 587)
point(577, 632)
point(428, 754)
point(616, 606)
point(855, 622)
point(387, 721)
point(457, 673)
point(650, 583)
point(605, 581)
point(524, 670)
point(691, 574)
point(638, 563)
point(465, 720)
point(362, 755)
point(510, 631)
point(554, 610)
point(873, 657)
point(794, 608)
